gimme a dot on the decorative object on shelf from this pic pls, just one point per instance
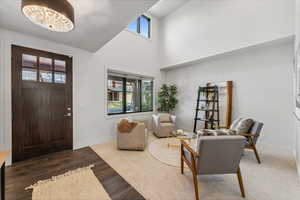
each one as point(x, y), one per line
point(54, 15)
point(167, 98)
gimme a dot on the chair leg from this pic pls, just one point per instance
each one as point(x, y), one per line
point(195, 184)
point(256, 154)
point(239, 175)
point(182, 166)
point(253, 146)
point(181, 159)
point(195, 178)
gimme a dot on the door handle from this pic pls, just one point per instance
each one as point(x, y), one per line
point(68, 115)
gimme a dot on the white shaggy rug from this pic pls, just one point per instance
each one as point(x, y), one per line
point(275, 179)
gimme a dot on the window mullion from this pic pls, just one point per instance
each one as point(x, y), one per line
point(139, 25)
point(140, 96)
point(149, 28)
point(152, 96)
point(124, 95)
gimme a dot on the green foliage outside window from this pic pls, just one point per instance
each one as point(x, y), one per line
point(147, 98)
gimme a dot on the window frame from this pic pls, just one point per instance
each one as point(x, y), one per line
point(124, 95)
point(138, 26)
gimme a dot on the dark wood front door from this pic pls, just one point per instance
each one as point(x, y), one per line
point(41, 103)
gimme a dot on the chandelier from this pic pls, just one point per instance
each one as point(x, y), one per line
point(54, 15)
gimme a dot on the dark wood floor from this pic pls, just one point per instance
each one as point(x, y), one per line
point(25, 173)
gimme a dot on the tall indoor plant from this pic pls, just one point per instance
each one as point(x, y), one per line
point(167, 98)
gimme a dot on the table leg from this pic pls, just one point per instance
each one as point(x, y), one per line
point(3, 181)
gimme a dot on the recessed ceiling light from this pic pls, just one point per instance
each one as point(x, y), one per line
point(55, 15)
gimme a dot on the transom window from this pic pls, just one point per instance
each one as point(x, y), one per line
point(43, 69)
point(141, 26)
point(128, 94)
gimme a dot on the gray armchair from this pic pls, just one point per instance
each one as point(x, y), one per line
point(214, 155)
point(252, 137)
point(251, 131)
point(163, 124)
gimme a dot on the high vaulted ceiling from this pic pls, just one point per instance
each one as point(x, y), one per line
point(96, 21)
point(165, 7)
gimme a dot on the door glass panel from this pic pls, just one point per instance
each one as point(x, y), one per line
point(59, 77)
point(29, 60)
point(60, 65)
point(45, 76)
point(45, 63)
point(29, 74)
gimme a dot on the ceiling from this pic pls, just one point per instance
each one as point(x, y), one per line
point(96, 21)
point(165, 7)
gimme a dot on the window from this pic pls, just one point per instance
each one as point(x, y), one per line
point(141, 26)
point(128, 94)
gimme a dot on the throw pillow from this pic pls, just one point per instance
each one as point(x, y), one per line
point(209, 132)
point(164, 118)
point(244, 125)
point(125, 126)
point(235, 123)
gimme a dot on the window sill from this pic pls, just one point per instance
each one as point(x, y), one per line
point(123, 115)
point(137, 34)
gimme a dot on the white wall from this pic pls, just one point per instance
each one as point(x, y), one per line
point(202, 28)
point(297, 122)
point(262, 88)
point(127, 52)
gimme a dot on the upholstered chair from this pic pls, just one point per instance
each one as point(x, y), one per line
point(163, 124)
point(213, 155)
point(135, 140)
point(252, 137)
point(251, 130)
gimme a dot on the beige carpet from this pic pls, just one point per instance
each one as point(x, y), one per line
point(80, 184)
point(168, 154)
point(275, 179)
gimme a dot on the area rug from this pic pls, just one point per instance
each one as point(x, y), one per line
point(79, 184)
point(166, 150)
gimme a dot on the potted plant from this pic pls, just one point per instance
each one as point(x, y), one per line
point(167, 98)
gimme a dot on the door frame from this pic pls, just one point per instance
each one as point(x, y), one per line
point(70, 85)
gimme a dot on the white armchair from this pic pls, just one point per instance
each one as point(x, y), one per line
point(135, 140)
point(163, 124)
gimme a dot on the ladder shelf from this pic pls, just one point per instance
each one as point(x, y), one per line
point(208, 97)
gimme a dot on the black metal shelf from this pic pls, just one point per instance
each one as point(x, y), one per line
point(208, 88)
point(211, 101)
point(208, 110)
point(207, 120)
point(208, 100)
